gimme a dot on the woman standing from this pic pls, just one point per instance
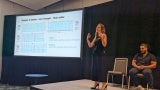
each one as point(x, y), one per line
point(98, 44)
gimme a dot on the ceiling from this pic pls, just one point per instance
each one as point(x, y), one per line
point(35, 4)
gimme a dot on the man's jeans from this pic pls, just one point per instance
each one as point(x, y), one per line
point(147, 74)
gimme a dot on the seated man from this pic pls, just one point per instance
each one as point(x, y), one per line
point(143, 62)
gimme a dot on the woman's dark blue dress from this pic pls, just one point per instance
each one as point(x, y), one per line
point(98, 65)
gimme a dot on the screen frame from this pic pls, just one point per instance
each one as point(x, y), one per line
point(81, 41)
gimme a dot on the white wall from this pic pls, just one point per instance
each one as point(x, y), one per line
point(8, 8)
point(72, 4)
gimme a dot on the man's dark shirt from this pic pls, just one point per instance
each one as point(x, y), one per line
point(140, 60)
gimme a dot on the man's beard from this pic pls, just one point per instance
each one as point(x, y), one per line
point(144, 52)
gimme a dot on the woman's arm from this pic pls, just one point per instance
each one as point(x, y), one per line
point(104, 40)
point(91, 43)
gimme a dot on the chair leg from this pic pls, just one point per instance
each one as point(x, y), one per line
point(122, 80)
point(147, 86)
point(128, 82)
point(107, 78)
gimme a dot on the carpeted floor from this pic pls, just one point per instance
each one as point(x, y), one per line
point(68, 85)
point(10, 87)
point(83, 84)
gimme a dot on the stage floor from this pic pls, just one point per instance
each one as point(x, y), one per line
point(73, 85)
point(83, 84)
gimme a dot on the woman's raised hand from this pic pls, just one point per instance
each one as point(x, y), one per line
point(88, 36)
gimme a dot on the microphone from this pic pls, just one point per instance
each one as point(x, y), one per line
point(95, 35)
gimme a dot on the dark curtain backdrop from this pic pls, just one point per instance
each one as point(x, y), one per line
point(128, 23)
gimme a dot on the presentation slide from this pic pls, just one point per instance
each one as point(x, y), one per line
point(55, 34)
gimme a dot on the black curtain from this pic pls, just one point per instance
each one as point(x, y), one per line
point(128, 23)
